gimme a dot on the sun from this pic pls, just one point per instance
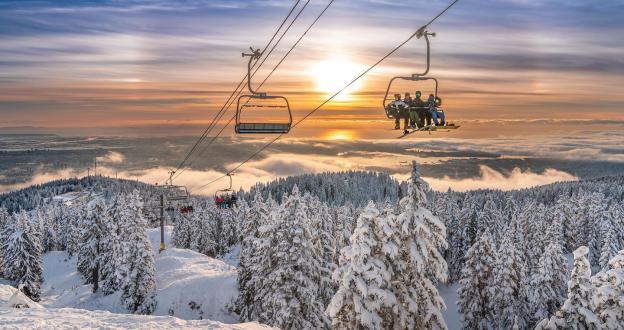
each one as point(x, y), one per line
point(334, 73)
point(339, 135)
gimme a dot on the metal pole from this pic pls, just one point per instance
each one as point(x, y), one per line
point(162, 223)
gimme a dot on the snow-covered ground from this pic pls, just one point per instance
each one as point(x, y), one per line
point(190, 286)
point(69, 318)
point(451, 316)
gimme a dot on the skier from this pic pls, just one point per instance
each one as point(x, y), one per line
point(399, 110)
point(432, 103)
point(421, 110)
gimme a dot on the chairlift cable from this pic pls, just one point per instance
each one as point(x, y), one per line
point(318, 17)
point(213, 123)
point(415, 34)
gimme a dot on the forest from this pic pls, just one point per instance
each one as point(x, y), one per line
point(349, 250)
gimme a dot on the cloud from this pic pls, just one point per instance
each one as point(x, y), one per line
point(111, 157)
point(492, 179)
point(39, 178)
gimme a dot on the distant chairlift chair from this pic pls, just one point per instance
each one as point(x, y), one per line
point(225, 198)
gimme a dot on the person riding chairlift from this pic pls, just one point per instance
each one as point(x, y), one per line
point(433, 103)
point(399, 111)
point(219, 201)
point(421, 111)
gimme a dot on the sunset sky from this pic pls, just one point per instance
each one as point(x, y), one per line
point(172, 64)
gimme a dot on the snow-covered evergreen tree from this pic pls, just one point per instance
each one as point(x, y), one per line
point(255, 217)
point(577, 311)
point(548, 285)
point(608, 296)
point(476, 285)
point(137, 260)
point(22, 260)
point(90, 248)
point(364, 298)
point(290, 288)
point(418, 264)
point(508, 287)
point(111, 276)
point(610, 241)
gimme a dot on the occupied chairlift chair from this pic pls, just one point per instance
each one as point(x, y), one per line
point(390, 113)
point(178, 194)
point(222, 195)
point(257, 101)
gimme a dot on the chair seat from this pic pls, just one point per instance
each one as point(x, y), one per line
point(262, 128)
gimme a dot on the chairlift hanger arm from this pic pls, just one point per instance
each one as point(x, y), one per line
point(253, 56)
point(426, 34)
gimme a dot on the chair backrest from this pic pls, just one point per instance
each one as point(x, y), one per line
point(263, 114)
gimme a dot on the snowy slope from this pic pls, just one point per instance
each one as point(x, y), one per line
point(188, 279)
point(69, 318)
point(189, 285)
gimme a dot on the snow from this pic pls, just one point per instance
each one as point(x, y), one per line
point(185, 279)
point(451, 315)
point(69, 197)
point(20, 300)
point(69, 318)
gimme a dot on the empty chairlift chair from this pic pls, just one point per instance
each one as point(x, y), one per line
point(259, 113)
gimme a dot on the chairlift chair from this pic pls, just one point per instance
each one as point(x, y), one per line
point(415, 77)
point(391, 112)
point(257, 102)
point(223, 193)
point(175, 193)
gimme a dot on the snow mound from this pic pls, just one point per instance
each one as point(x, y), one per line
point(69, 318)
point(191, 285)
point(6, 291)
point(19, 300)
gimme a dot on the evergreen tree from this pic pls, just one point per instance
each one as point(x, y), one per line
point(577, 311)
point(22, 260)
point(508, 286)
point(111, 276)
point(364, 298)
point(254, 217)
point(90, 248)
point(418, 264)
point(610, 241)
point(5, 231)
point(476, 292)
point(549, 283)
point(182, 232)
point(137, 260)
point(290, 297)
point(609, 293)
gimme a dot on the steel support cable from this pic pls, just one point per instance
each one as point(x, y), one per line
point(238, 91)
point(268, 76)
point(241, 83)
point(419, 31)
